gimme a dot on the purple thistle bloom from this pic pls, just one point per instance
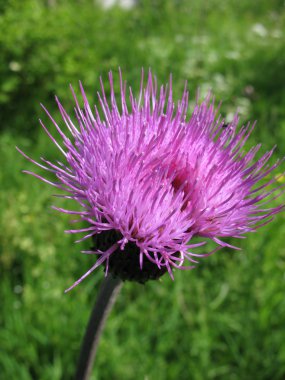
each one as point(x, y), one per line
point(149, 180)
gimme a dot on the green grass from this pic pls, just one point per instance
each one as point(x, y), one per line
point(223, 320)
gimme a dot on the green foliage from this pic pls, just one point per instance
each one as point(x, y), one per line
point(225, 319)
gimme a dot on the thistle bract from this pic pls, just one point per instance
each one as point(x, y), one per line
point(149, 178)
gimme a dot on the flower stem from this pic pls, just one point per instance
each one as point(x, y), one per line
point(109, 289)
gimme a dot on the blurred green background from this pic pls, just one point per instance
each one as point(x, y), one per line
point(223, 320)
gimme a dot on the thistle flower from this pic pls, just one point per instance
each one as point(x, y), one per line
point(149, 179)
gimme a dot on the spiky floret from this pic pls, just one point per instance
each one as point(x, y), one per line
point(158, 178)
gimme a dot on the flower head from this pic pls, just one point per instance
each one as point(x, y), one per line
point(149, 179)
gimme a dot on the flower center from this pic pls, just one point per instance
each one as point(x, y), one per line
point(181, 183)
